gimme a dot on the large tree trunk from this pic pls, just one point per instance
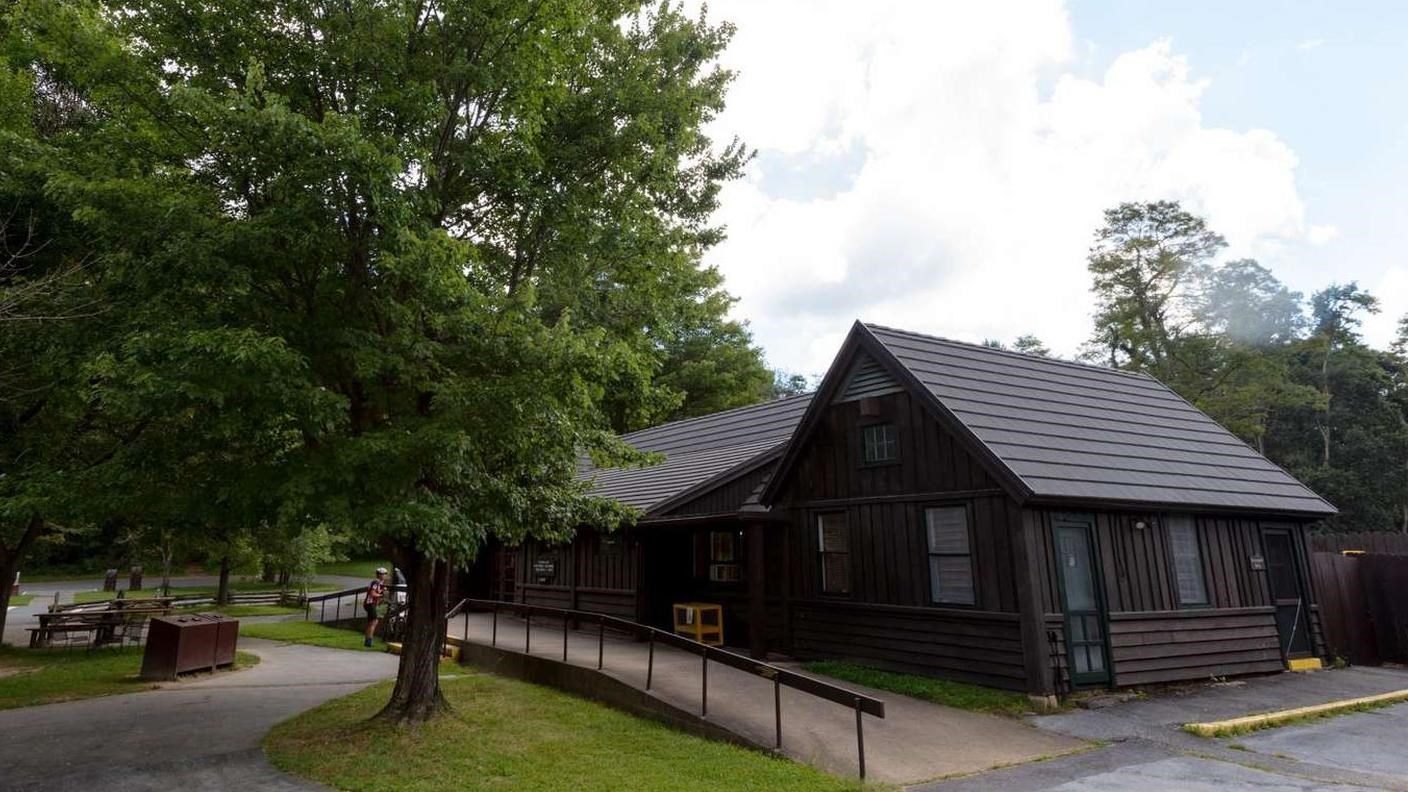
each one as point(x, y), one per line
point(417, 696)
point(222, 593)
point(10, 558)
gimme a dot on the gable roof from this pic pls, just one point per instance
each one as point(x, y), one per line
point(699, 453)
point(1066, 432)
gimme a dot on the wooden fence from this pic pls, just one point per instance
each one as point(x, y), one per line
point(1363, 605)
point(1375, 542)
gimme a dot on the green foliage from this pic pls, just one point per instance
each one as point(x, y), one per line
point(508, 734)
point(945, 692)
point(1234, 341)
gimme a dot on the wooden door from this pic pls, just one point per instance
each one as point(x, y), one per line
point(1082, 601)
point(1286, 579)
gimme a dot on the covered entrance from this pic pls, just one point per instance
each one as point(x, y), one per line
point(717, 560)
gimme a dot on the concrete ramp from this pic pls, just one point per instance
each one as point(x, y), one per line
point(915, 741)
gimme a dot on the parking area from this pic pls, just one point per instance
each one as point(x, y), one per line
point(1141, 744)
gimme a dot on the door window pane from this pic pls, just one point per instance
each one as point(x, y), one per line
point(950, 556)
point(1073, 554)
point(1187, 560)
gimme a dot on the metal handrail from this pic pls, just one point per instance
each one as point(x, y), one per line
point(861, 703)
point(322, 599)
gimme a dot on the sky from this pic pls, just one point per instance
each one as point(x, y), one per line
point(942, 166)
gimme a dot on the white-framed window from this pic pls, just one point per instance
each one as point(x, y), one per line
point(879, 443)
point(950, 556)
point(834, 546)
point(1187, 559)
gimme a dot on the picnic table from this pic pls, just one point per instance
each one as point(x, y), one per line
point(101, 626)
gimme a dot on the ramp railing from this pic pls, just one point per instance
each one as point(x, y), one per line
point(780, 677)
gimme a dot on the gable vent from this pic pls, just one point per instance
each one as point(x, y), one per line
point(865, 379)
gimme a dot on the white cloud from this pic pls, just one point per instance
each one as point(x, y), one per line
point(970, 169)
point(1310, 44)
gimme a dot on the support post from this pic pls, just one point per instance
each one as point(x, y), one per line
point(466, 625)
point(565, 622)
point(757, 591)
point(860, 739)
point(494, 630)
point(527, 632)
point(777, 707)
point(600, 643)
point(704, 692)
point(650, 662)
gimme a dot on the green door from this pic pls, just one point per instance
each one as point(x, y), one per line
point(1087, 655)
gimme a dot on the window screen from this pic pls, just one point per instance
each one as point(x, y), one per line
point(879, 444)
point(950, 556)
point(1187, 560)
point(834, 542)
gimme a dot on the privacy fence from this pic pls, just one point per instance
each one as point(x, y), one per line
point(1361, 580)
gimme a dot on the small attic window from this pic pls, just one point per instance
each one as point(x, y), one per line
point(879, 443)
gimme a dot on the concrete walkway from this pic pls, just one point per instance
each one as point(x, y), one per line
point(916, 741)
point(201, 734)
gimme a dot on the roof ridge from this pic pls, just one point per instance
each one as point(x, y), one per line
point(731, 410)
point(1011, 353)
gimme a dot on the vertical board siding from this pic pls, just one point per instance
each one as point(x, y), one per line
point(1153, 638)
point(888, 619)
point(591, 575)
point(728, 497)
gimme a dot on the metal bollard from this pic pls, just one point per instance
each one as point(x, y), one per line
point(494, 631)
point(564, 639)
point(650, 662)
point(600, 643)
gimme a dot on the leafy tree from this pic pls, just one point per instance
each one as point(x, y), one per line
point(1243, 302)
point(427, 247)
point(786, 383)
point(1335, 311)
point(716, 367)
point(1143, 262)
point(1031, 345)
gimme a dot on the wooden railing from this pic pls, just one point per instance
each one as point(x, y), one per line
point(780, 677)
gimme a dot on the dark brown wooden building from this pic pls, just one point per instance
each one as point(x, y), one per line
point(955, 510)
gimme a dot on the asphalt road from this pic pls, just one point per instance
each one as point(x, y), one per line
point(1143, 748)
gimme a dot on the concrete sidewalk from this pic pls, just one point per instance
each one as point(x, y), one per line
point(916, 741)
point(200, 734)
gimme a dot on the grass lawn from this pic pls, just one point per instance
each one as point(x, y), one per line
point(958, 695)
point(310, 633)
point(45, 676)
point(240, 611)
point(359, 568)
point(505, 734)
point(21, 599)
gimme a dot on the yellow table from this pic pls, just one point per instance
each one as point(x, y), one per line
point(701, 621)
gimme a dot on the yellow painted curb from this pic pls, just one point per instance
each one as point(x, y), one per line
point(393, 648)
point(1304, 664)
point(1266, 719)
point(452, 652)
